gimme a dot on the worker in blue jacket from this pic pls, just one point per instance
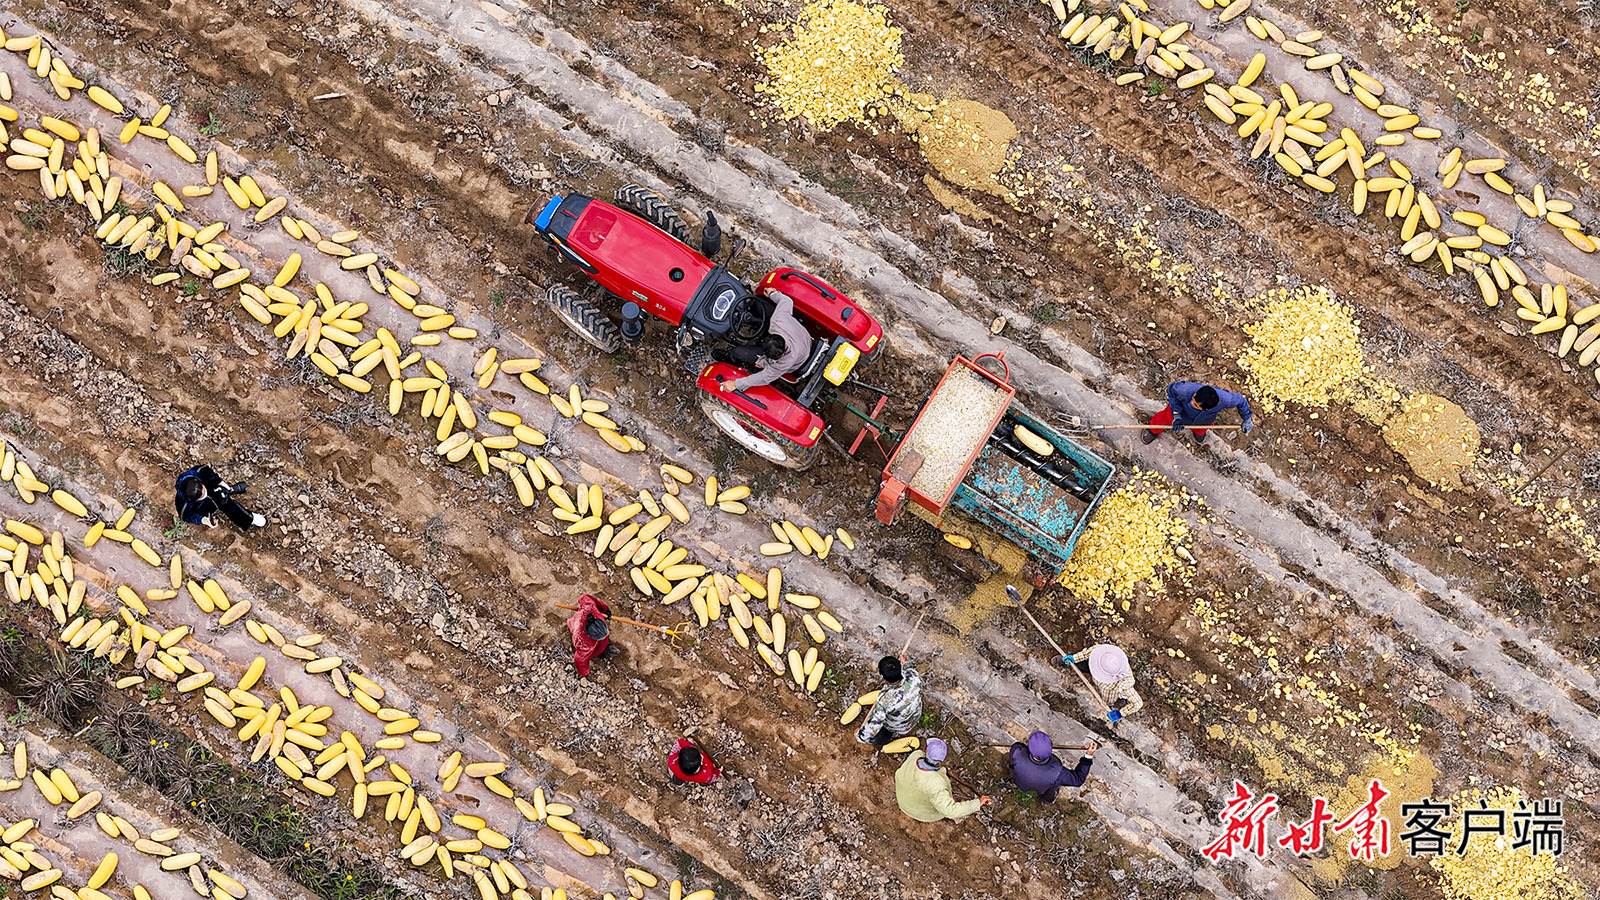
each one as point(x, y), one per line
point(201, 495)
point(1193, 405)
point(1034, 767)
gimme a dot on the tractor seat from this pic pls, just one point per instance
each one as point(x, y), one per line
point(819, 357)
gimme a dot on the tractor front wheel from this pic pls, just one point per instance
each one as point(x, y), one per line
point(582, 317)
point(756, 437)
point(649, 206)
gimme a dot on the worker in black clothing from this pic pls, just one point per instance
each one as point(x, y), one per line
point(201, 495)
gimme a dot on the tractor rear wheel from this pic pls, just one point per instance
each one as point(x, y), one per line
point(583, 318)
point(756, 437)
point(649, 206)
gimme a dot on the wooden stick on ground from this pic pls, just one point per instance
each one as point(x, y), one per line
point(963, 782)
point(1540, 474)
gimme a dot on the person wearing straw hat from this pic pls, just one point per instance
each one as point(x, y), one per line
point(1034, 767)
point(591, 636)
point(1108, 665)
point(922, 787)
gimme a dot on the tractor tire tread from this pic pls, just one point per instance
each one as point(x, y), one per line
point(796, 456)
point(648, 205)
point(584, 319)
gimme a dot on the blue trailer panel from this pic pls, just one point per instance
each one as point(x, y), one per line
point(1040, 503)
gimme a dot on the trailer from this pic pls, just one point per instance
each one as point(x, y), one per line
point(962, 455)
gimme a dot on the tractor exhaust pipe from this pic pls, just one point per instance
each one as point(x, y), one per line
point(710, 237)
point(632, 322)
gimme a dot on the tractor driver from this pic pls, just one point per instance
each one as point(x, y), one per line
point(782, 350)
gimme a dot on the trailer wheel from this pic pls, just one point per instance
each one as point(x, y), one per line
point(582, 317)
point(649, 206)
point(755, 437)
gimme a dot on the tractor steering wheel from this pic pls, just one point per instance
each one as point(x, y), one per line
point(750, 320)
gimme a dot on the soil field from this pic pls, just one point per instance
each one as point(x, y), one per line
point(1370, 584)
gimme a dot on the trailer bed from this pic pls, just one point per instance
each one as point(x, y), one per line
point(962, 450)
point(955, 422)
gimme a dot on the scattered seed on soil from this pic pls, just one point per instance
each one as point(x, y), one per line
point(841, 57)
point(1134, 538)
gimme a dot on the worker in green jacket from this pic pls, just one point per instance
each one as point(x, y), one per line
point(922, 787)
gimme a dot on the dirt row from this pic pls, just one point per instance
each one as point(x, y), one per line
point(62, 356)
point(1381, 455)
point(78, 846)
point(1215, 341)
point(1514, 71)
point(456, 544)
point(1474, 364)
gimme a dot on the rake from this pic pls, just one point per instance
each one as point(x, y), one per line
point(674, 632)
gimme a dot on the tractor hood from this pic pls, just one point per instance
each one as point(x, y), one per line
point(629, 257)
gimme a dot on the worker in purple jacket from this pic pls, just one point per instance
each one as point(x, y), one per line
point(1191, 404)
point(1034, 767)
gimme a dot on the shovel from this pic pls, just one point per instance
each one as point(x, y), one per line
point(1016, 597)
point(1074, 427)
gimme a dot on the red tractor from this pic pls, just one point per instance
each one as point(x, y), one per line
point(636, 251)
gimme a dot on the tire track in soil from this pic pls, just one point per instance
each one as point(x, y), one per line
point(1484, 348)
point(967, 700)
point(1298, 544)
point(285, 573)
point(1486, 352)
point(1169, 791)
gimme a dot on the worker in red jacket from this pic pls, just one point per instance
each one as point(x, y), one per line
point(591, 636)
point(687, 762)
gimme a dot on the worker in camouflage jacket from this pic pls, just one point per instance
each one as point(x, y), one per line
point(899, 705)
